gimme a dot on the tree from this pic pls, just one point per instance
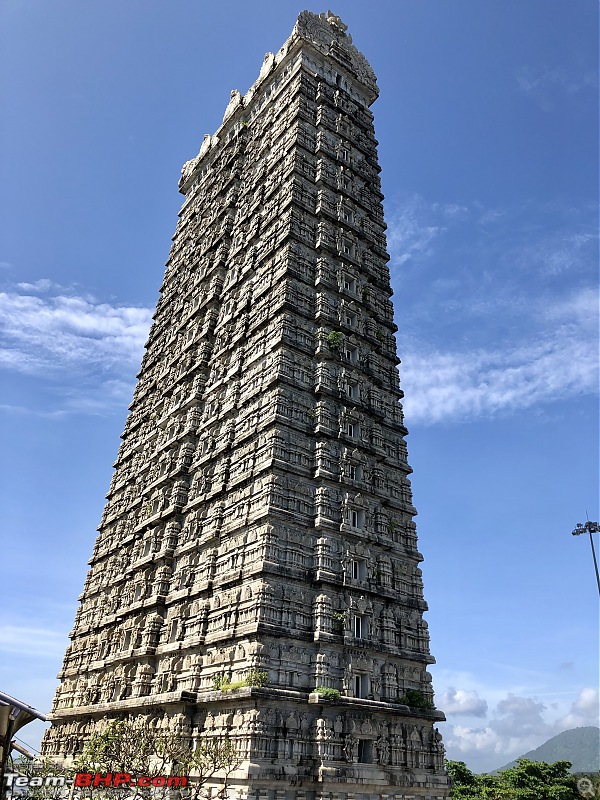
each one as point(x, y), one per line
point(467, 786)
point(536, 780)
point(42, 774)
point(135, 748)
point(528, 780)
point(463, 780)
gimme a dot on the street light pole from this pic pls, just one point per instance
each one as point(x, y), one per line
point(590, 527)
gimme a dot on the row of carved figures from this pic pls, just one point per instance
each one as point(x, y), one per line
point(379, 681)
point(289, 735)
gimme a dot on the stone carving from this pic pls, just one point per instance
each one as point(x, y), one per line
point(336, 23)
point(258, 529)
point(351, 748)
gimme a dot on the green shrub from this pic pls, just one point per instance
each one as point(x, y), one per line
point(416, 699)
point(230, 687)
point(219, 682)
point(339, 620)
point(334, 340)
point(328, 694)
point(256, 678)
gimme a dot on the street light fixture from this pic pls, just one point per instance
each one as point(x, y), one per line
point(589, 527)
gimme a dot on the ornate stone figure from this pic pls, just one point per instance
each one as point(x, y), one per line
point(255, 576)
point(351, 748)
point(383, 750)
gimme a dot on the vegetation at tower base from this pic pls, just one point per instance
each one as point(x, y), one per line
point(528, 780)
point(125, 747)
point(258, 537)
point(45, 772)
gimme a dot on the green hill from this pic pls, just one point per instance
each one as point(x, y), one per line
point(581, 746)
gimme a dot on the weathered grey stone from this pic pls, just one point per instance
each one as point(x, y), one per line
point(259, 519)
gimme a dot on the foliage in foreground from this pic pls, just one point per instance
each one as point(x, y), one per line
point(126, 746)
point(136, 748)
point(39, 770)
point(528, 780)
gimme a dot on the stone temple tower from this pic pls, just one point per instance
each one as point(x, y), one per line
point(259, 525)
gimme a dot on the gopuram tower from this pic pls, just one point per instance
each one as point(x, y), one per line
point(259, 525)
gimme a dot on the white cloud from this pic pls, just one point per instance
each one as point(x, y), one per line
point(490, 215)
point(505, 736)
point(545, 84)
point(50, 333)
point(23, 640)
point(446, 386)
point(6, 408)
point(452, 211)
point(89, 349)
point(412, 229)
point(43, 285)
point(463, 740)
point(515, 725)
point(460, 701)
point(557, 252)
point(520, 717)
point(485, 328)
point(488, 251)
point(580, 307)
point(112, 393)
point(584, 711)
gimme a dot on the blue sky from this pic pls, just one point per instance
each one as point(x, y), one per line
point(488, 146)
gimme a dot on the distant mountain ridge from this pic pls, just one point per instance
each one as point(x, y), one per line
point(580, 746)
